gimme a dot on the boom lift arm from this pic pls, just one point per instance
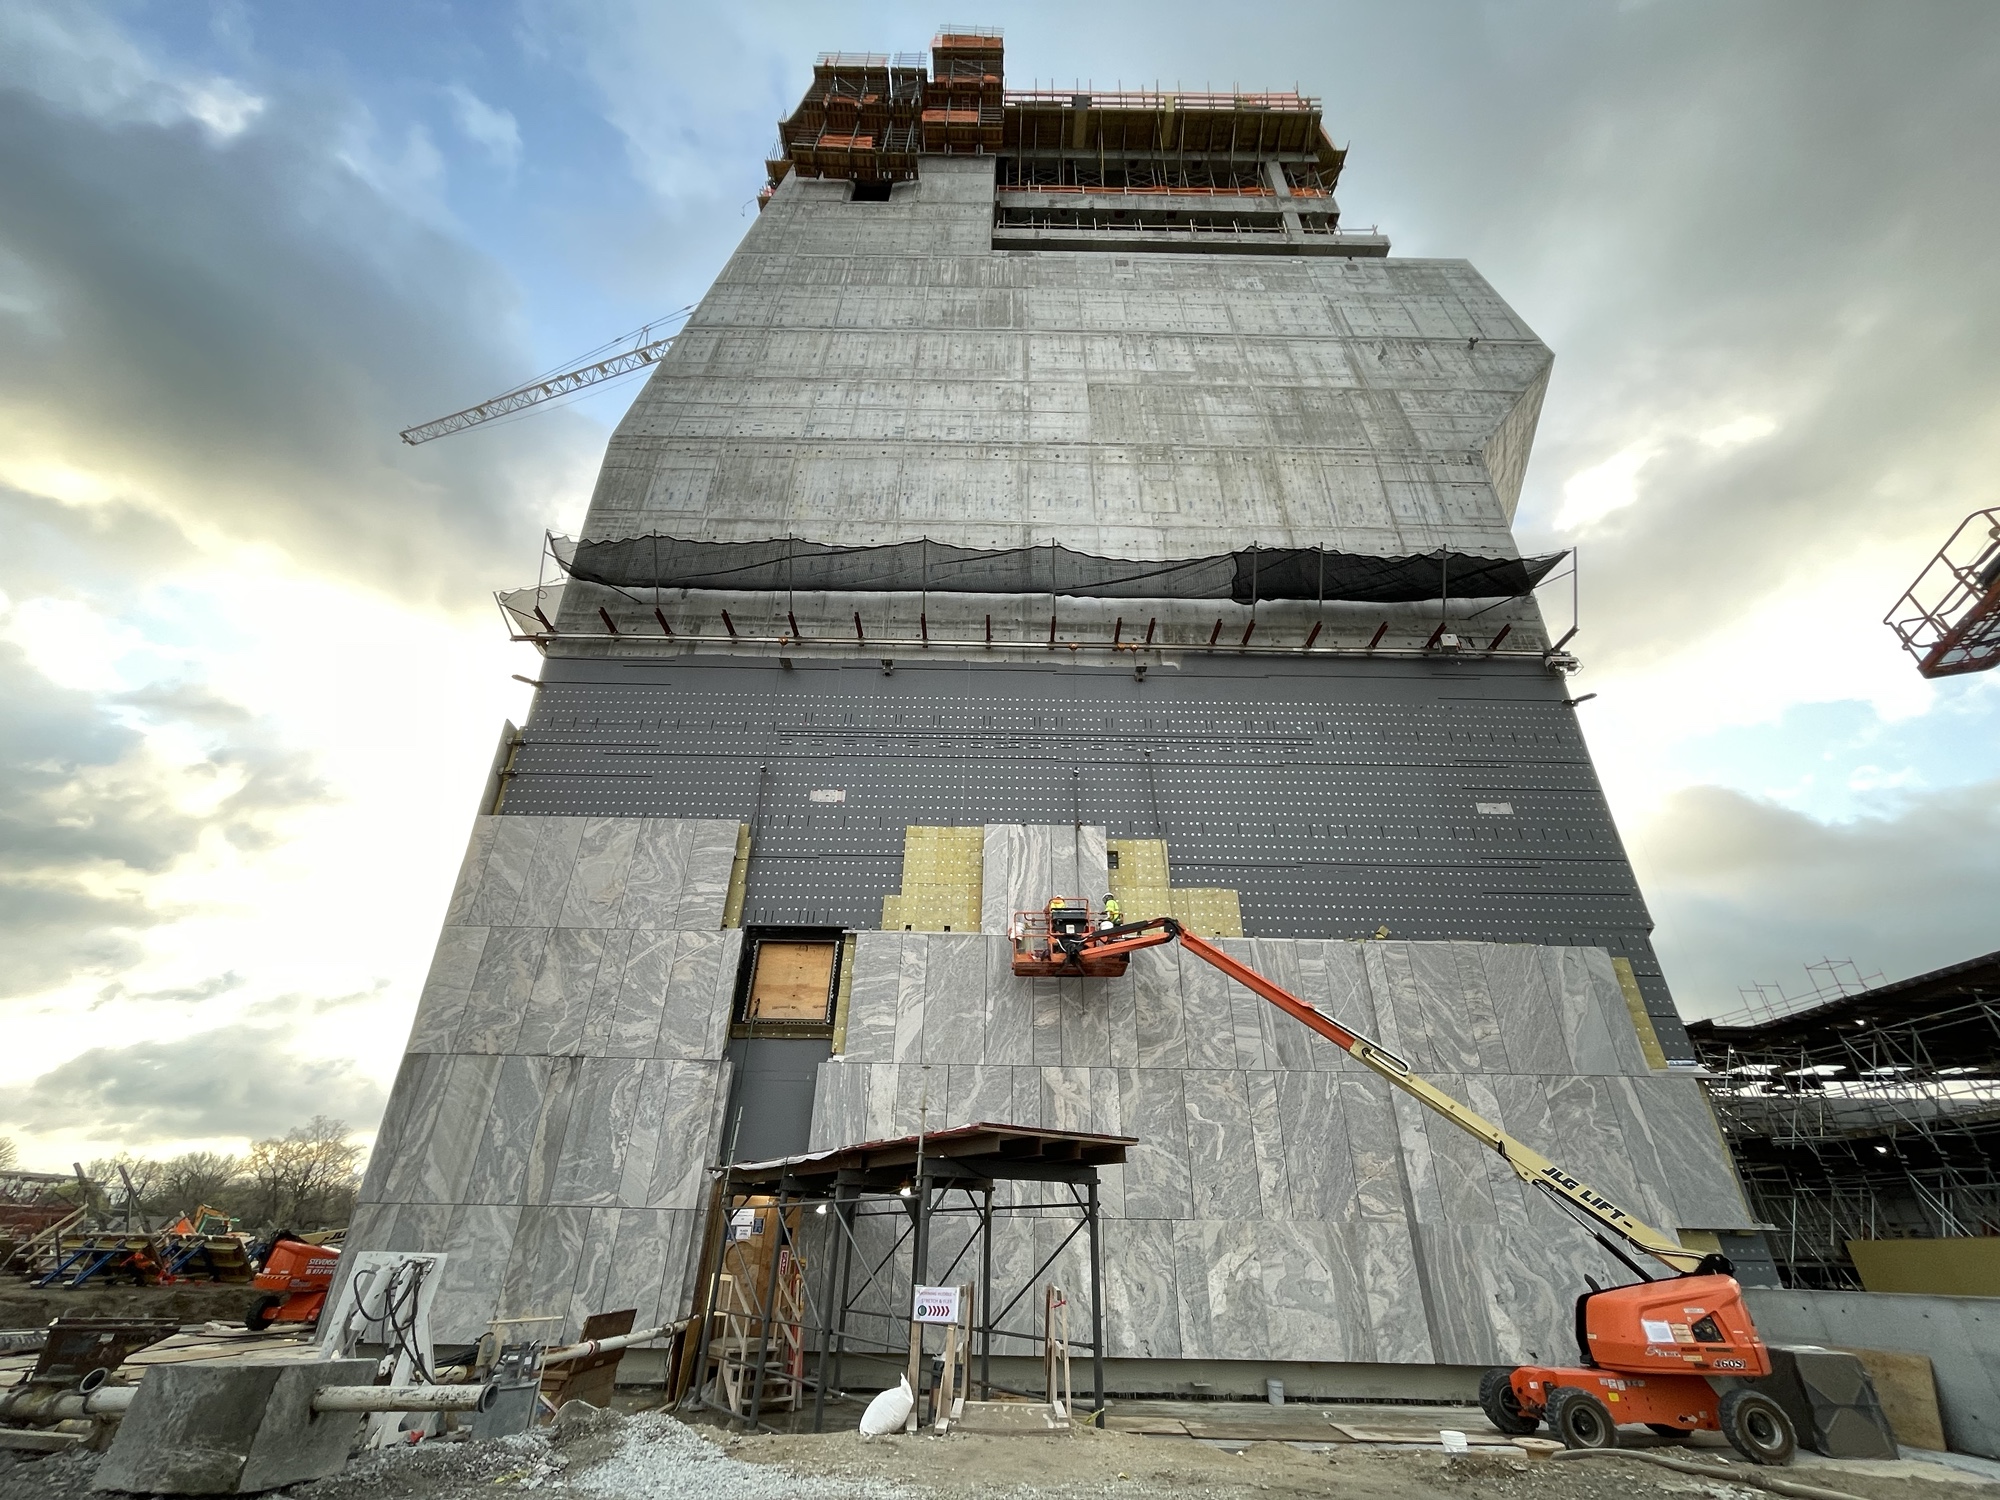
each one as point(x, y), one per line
point(1529, 1165)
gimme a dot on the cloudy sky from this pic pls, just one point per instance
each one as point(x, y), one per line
point(250, 670)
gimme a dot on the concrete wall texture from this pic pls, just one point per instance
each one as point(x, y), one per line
point(874, 372)
point(865, 373)
point(1960, 1335)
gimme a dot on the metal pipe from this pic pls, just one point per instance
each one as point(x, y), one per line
point(115, 1400)
point(42, 1404)
point(404, 1397)
point(605, 1346)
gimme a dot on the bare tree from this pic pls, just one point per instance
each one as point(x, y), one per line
point(10, 1154)
point(193, 1178)
point(306, 1178)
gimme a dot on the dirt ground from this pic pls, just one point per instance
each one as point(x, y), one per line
point(1119, 1464)
point(24, 1306)
point(596, 1455)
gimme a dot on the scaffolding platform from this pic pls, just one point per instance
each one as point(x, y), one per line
point(1949, 619)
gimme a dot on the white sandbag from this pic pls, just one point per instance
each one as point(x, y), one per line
point(888, 1411)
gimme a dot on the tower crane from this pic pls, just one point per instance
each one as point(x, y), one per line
point(1646, 1351)
point(645, 350)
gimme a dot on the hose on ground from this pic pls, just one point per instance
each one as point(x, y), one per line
point(1730, 1475)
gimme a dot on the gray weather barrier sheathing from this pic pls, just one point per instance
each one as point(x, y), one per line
point(924, 566)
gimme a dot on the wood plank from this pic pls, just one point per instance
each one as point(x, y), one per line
point(793, 982)
point(1425, 1435)
point(1906, 1385)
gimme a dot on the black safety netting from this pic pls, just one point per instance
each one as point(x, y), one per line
point(1244, 576)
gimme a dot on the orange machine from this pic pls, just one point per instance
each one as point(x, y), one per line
point(295, 1278)
point(1646, 1352)
point(1061, 939)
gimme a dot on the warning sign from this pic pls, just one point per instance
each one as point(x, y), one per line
point(936, 1304)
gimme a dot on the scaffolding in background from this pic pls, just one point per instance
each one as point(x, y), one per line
point(1874, 1114)
point(866, 116)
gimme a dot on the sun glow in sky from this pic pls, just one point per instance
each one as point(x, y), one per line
point(251, 671)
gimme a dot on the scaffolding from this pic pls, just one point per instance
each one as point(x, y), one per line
point(1949, 619)
point(866, 116)
point(839, 1240)
point(1870, 1115)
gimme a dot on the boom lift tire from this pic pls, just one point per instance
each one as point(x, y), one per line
point(259, 1316)
point(1757, 1427)
point(1502, 1406)
point(1580, 1420)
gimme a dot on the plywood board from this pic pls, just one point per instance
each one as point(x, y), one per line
point(793, 982)
point(1906, 1385)
point(1962, 1267)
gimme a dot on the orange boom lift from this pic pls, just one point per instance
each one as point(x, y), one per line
point(1648, 1352)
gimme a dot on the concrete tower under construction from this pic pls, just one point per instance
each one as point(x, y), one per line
point(1052, 495)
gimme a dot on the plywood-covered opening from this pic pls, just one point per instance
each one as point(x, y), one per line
point(790, 981)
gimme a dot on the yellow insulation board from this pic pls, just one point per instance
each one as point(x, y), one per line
point(942, 879)
point(1143, 884)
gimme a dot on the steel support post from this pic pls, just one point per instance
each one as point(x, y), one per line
point(920, 1260)
point(986, 1297)
point(847, 1214)
point(828, 1306)
point(1096, 1304)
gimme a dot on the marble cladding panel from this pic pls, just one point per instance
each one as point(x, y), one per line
point(1617, 1016)
point(1025, 864)
point(1085, 1020)
point(559, 1001)
point(1157, 1014)
point(953, 1014)
point(1523, 1004)
point(1393, 1292)
point(839, 1103)
point(1249, 1031)
point(979, 1094)
point(1700, 1180)
point(471, 871)
point(657, 874)
point(1221, 1284)
point(1577, 1007)
point(504, 873)
point(711, 858)
point(1153, 1108)
point(551, 865)
point(564, 1090)
point(1141, 1291)
point(441, 1009)
point(498, 998)
point(910, 975)
point(1121, 1019)
point(1459, 1161)
point(1314, 1306)
point(1208, 1015)
point(872, 997)
point(1301, 968)
point(563, 1087)
point(1221, 1145)
point(596, 896)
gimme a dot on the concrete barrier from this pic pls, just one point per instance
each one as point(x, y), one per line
point(1961, 1336)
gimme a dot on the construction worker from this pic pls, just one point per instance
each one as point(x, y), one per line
point(1113, 912)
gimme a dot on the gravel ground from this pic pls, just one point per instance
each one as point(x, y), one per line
point(600, 1455)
